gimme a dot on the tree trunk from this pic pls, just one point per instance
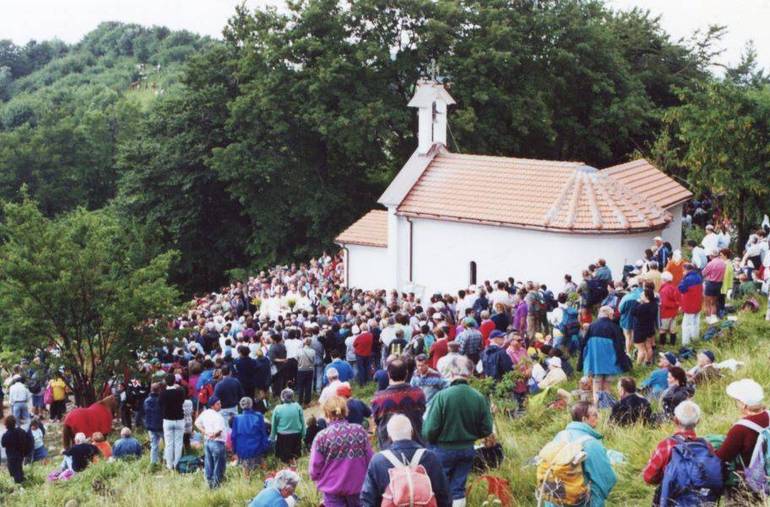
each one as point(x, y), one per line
point(83, 389)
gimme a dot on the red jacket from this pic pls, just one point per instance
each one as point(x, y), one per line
point(669, 300)
point(691, 289)
point(363, 344)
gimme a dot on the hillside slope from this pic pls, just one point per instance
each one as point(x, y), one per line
point(121, 484)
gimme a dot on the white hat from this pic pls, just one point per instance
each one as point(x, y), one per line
point(746, 391)
point(666, 276)
point(657, 238)
point(356, 330)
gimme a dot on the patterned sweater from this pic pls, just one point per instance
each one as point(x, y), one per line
point(339, 458)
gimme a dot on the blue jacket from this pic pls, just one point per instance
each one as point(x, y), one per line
point(126, 447)
point(626, 308)
point(153, 415)
point(249, 436)
point(597, 468)
point(343, 368)
point(377, 477)
point(657, 381)
point(268, 497)
point(205, 378)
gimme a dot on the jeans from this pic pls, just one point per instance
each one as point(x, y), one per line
point(304, 386)
point(155, 438)
point(364, 364)
point(173, 435)
point(457, 464)
point(228, 414)
point(20, 411)
point(214, 462)
point(318, 377)
point(690, 327)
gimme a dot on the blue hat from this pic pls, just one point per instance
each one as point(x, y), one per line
point(213, 400)
point(670, 357)
point(496, 334)
point(709, 354)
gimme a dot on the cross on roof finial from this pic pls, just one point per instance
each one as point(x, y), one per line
point(433, 68)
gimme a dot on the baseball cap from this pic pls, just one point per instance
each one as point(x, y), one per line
point(496, 334)
point(213, 400)
point(670, 357)
point(746, 391)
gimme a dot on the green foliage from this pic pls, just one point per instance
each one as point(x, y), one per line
point(718, 139)
point(83, 283)
point(64, 110)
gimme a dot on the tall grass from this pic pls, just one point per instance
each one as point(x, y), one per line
point(135, 483)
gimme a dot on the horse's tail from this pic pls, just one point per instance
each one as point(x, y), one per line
point(67, 436)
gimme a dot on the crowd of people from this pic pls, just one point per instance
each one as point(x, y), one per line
point(240, 378)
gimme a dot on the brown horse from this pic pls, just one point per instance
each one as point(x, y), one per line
point(97, 417)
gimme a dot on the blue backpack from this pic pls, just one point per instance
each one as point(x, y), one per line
point(569, 325)
point(693, 476)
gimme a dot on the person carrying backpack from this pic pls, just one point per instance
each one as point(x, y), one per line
point(390, 472)
point(573, 468)
point(744, 443)
point(672, 464)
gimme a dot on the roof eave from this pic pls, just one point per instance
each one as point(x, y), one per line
point(630, 230)
point(408, 176)
point(360, 243)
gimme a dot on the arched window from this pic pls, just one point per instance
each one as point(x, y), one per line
point(473, 273)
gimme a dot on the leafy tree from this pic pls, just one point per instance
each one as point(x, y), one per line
point(719, 141)
point(167, 181)
point(83, 285)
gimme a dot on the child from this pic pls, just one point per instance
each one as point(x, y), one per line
point(314, 427)
point(37, 434)
point(101, 443)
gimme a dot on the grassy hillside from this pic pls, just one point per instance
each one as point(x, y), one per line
point(128, 484)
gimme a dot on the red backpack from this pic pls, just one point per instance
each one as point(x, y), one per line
point(205, 393)
point(409, 484)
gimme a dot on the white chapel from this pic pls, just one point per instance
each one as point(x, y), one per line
point(451, 220)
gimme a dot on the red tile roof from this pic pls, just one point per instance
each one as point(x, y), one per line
point(370, 230)
point(541, 194)
point(649, 181)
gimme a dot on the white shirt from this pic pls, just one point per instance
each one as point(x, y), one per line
point(211, 422)
point(442, 365)
point(18, 393)
point(293, 347)
point(499, 296)
point(329, 391)
point(710, 242)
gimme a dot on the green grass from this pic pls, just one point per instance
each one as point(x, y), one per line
point(135, 483)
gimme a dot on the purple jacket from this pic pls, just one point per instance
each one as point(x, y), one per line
point(520, 317)
point(339, 458)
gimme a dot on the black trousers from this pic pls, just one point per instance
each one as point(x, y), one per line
point(15, 468)
point(304, 386)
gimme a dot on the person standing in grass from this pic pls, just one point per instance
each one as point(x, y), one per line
point(339, 457)
point(398, 398)
point(597, 469)
point(170, 402)
point(17, 445)
point(691, 302)
point(212, 425)
point(288, 428)
point(153, 422)
point(458, 416)
point(249, 436)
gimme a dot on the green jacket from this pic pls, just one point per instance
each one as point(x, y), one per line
point(458, 416)
point(287, 418)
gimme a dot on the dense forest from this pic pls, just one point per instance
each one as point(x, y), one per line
point(260, 147)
